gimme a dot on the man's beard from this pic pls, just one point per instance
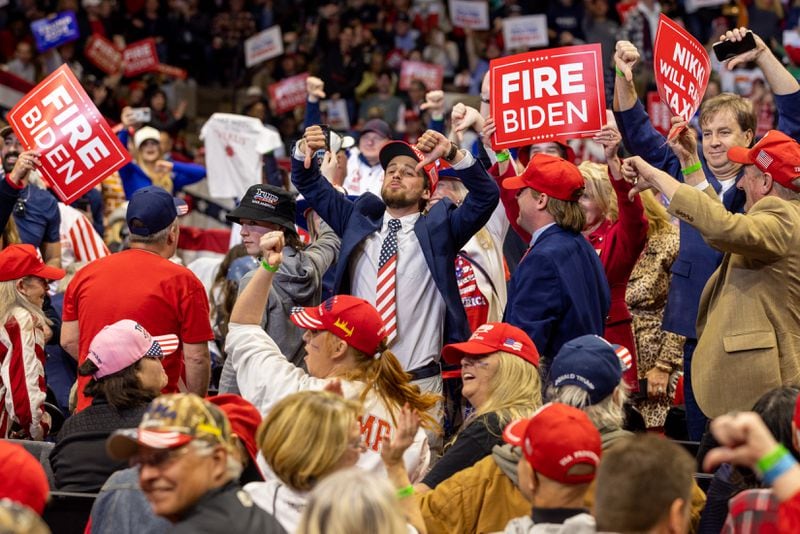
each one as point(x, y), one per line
point(9, 166)
point(398, 199)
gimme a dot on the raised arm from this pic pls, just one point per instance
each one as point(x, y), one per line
point(333, 206)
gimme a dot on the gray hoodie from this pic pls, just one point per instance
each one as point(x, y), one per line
point(298, 282)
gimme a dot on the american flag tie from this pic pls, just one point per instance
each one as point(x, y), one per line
point(387, 270)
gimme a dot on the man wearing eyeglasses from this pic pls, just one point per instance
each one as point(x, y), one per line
point(189, 467)
point(35, 211)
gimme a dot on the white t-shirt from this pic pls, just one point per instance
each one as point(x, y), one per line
point(234, 146)
point(265, 376)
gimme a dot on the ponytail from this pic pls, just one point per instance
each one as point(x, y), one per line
point(384, 373)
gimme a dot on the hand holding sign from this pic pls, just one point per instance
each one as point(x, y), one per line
point(736, 35)
point(683, 141)
point(26, 162)
point(626, 55)
point(610, 138)
point(434, 145)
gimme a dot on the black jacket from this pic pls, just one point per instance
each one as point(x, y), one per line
point(226, 510)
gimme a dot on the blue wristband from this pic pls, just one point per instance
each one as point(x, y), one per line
point(779, 469)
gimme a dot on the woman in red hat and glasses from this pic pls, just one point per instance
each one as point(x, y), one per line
point(23, 286)
point(500, 379)
point(344, 340)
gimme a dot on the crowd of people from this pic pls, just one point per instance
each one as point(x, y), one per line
point(408, 330)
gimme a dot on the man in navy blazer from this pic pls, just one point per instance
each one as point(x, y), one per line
point(726, 121)
point(429, 309)
point(559, 290)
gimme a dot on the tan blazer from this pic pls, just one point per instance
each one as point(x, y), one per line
point(748, 323)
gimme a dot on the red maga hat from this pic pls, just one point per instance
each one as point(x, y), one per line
point(18, 261)
point(352, 319)
point(490, 338)
point(556, 440)
point(550, 175)
point(776, 153)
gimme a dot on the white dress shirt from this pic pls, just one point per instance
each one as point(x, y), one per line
point(420, 307)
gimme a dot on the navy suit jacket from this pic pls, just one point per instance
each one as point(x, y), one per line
point(442, 232)
point(696, 260)
point(559, 291)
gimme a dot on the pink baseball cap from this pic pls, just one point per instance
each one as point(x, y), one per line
point(124, 343)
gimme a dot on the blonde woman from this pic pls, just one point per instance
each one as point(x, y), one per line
point(500, 379)
point(617, 229)
point(323, 419)
point(345, 341)
point(23, 286)
point(659, 353)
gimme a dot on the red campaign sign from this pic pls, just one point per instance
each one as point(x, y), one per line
point(288, 93)
point(659, 113)
point(552, 94)
point(682, 68)
point(103, 54)
point(428, 73)
point(175, 72)
point(76, 146)
point(140, 57)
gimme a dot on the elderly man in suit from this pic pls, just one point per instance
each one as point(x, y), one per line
point(749, 312)
point(559, 290)
point(394, 255)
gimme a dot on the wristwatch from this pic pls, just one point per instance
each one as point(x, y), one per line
point(450, 156)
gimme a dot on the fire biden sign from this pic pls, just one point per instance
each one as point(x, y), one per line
point(548, 95)
point(76, 147)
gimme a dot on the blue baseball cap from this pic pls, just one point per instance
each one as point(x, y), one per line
point(151, 209)
point(589, 362)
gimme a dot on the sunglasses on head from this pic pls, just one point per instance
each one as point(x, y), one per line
point(20, 209)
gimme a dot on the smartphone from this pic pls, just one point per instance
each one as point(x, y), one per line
point(725, 50)
point(141, 115)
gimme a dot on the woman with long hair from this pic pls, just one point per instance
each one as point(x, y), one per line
point(126, 374)
point(659, 353)
point(617, 229)
point(23, 330)
point(345, 340)
point(500, 379)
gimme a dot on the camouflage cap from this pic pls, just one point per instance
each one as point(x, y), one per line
point(172, 421)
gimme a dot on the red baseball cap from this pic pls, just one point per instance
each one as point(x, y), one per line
point(352, 319)
point(18, 261)
point(244, 419)
point(400, 148)
point(776, 153)
point(550, 175)
point(490, 338)
point(555, 439)
point(23, 480)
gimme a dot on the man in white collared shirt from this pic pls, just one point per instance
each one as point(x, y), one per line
point(428, 310)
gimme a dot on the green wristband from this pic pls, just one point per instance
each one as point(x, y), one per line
point(771, 459)
point(503, 155)
point(692, 168)
point(269, 267)
point(619, 72)
point(405, 492)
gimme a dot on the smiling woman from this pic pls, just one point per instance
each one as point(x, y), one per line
point(500, 375)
